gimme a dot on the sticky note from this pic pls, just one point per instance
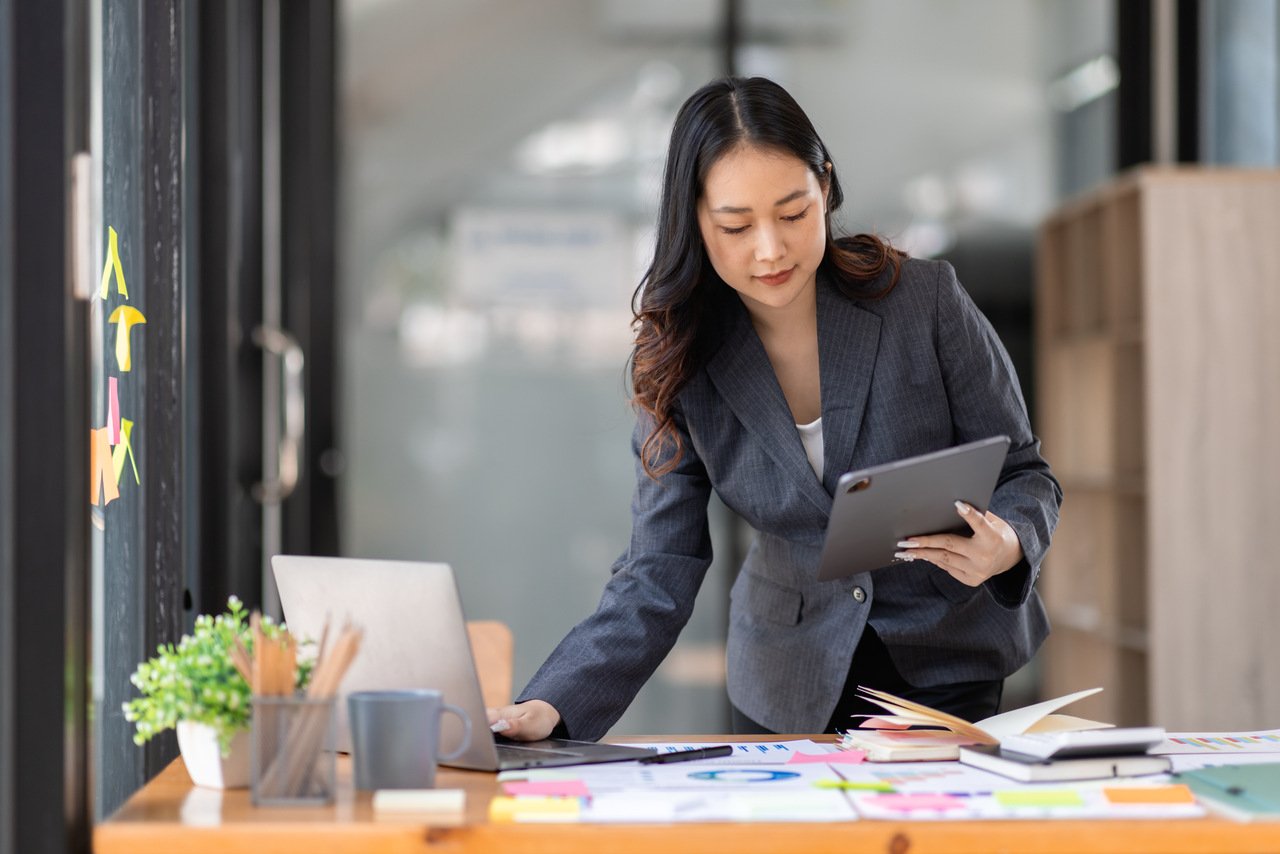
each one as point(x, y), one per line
point(882, 723)
point(1039, 798)
point(113, 265)
point(549, 788)
point(534, 808)
point(420, 800)
point(102, 479)
point(125, 317)
point(124, 448)
point(853, 786)
point(113, 411)
point(1178, 794)
point(909, 802)
point(839, 757)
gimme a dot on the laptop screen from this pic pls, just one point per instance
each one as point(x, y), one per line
point(415, 635)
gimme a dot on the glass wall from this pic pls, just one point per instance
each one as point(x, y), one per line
point(1240, 82)
point(142, 524)
point(118, 387)
point(500, 182)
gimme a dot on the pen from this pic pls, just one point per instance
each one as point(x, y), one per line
point(689, 755)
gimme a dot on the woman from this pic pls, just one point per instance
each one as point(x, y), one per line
point(770, 358)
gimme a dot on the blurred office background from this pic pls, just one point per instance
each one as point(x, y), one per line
point(500, 174)
point(446, 206)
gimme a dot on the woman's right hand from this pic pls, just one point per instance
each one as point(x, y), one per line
point(531, 720)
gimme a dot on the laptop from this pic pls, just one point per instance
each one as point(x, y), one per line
point(414, 637)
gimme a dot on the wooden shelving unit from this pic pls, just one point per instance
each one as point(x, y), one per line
point(1158, 360)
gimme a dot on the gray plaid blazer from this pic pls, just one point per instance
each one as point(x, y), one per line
point(916, 371)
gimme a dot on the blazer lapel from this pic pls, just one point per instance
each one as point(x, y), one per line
point(742, 374)
point(848, 340)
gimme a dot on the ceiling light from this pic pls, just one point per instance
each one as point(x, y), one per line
point(1083, 84)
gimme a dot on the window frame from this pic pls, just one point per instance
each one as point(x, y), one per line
point(44, 464)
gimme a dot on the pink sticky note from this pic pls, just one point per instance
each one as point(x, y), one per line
point(113, 412)
point(906, 803)
point(881, 723)
point(840, 757)
point(548, 788)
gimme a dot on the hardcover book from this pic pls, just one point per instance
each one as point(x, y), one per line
point(1031, 769)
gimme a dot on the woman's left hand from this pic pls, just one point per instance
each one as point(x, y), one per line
point(993, 548)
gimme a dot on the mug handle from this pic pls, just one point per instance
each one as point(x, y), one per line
point(466, 732)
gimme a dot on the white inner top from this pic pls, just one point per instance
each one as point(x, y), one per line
point(811, 438)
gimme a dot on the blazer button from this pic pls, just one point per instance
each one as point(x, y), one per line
point(859, 595)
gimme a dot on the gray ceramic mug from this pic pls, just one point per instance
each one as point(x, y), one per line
point(395, 737)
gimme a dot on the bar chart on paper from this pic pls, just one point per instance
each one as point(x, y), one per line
point(1221, 742)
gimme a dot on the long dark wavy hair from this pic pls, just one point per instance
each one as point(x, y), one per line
point(677, 300)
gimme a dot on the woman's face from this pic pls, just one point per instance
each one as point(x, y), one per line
point(763, 220)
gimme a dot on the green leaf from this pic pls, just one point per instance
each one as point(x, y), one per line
point(195, 679)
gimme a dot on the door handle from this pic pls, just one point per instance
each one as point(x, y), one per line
point(289, 445)
point(81, 227)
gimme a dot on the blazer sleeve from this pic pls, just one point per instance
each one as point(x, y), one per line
point(595, 672)
point(985, 400)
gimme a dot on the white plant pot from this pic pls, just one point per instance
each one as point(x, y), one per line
point(205, 762)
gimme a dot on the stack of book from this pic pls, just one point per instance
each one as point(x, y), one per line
point(1087, 755)
point(1031, 744)
point(938, 735)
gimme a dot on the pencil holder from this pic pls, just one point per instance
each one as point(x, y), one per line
point(292, 760)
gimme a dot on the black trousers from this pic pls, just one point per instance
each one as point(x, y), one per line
point(872, 668)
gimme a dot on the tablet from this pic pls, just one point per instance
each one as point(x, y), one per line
point(876, 507)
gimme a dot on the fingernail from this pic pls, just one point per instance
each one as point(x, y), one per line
point(904, 556)
point(499, 726)
point(908, 544)
point(962, 507)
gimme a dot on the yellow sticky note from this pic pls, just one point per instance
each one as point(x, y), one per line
point(527, 808)
point(1178, 794)
point(1039, 798)
point(122, 449)
point(113, 265)
point(102, 480)
point(125, 317)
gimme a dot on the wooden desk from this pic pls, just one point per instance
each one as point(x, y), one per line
point(170, 816)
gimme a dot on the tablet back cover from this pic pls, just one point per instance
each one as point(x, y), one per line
point(874, 508)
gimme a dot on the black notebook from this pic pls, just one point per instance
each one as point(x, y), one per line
point(1030, 769)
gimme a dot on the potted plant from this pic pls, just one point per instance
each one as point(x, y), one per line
point(193, 687)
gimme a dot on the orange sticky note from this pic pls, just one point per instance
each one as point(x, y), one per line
point(102, 480)
point(1176, 794)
